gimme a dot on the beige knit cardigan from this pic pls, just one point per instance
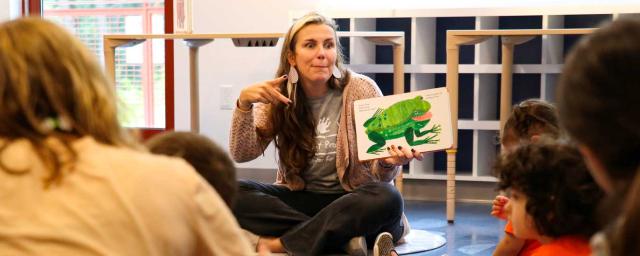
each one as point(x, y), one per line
point(246, 144)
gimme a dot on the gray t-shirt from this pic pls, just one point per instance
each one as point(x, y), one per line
point(321, 175)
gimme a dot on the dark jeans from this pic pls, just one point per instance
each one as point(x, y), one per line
point(310, 223)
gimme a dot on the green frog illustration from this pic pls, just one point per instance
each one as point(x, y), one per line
point(404, 118)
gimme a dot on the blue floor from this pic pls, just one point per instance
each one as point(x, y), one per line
point(475, 231)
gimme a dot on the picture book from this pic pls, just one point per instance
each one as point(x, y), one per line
point(419, 120)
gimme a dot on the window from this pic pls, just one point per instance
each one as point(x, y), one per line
point(143, 90)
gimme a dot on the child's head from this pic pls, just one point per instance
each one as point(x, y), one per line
point(598, 101)
point(52, 86)
point(528, 120)
point(552, 192)
point(204, 155)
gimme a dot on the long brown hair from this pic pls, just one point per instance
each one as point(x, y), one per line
point(625, 240)
point(47, 76)
point(293, 127)
point(598, 97)
point(599, 107)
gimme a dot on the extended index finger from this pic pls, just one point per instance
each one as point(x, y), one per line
point(277, 81)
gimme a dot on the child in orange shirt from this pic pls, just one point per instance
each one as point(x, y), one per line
point(553, 197)
point(528, 121)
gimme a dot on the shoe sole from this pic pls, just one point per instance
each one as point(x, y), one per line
point(383, 245)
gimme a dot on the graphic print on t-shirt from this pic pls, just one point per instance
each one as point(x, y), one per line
point(321, 175)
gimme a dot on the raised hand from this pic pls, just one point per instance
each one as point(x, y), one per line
point(265, 92)
point(497, 209)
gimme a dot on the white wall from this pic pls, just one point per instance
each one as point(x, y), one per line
point(4, 10)
point(9, 9)
point(223, 64)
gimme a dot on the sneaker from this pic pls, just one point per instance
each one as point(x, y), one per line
point(357, 246)
point(383, 245)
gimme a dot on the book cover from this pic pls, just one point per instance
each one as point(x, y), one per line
point(420, 120)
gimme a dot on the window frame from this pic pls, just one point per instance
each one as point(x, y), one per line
point(35, 9)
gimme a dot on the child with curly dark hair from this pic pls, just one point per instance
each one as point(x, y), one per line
point(553, 197)
point(529, 120)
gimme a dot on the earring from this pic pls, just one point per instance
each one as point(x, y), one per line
point(336, 72)
point(293, 75)
point(291, 87)
point(291, 83)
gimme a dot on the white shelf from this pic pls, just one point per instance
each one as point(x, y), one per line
point(478, 125)
point(477, 9)
point(444, 177)
point(425, 68)
point(464, 68)
point(369, 34)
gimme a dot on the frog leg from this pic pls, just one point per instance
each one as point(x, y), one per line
point(409, 136)
point(379, 140)
point(435, 129)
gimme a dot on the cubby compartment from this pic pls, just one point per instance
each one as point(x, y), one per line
point(423, 81)
point(453, 23)
point(424, 30)
point(465, 93)
point(528, 52)
point(487, 91)
point(582, 21)
point(487, 147)
point(385, 82)
point(548, 90)
point(384, 54)
point(362, 51)
point(525, 86)
point(464, 156)
point(344, 25)
point(537, 67)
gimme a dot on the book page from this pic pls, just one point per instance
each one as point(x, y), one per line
point(419, 120)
